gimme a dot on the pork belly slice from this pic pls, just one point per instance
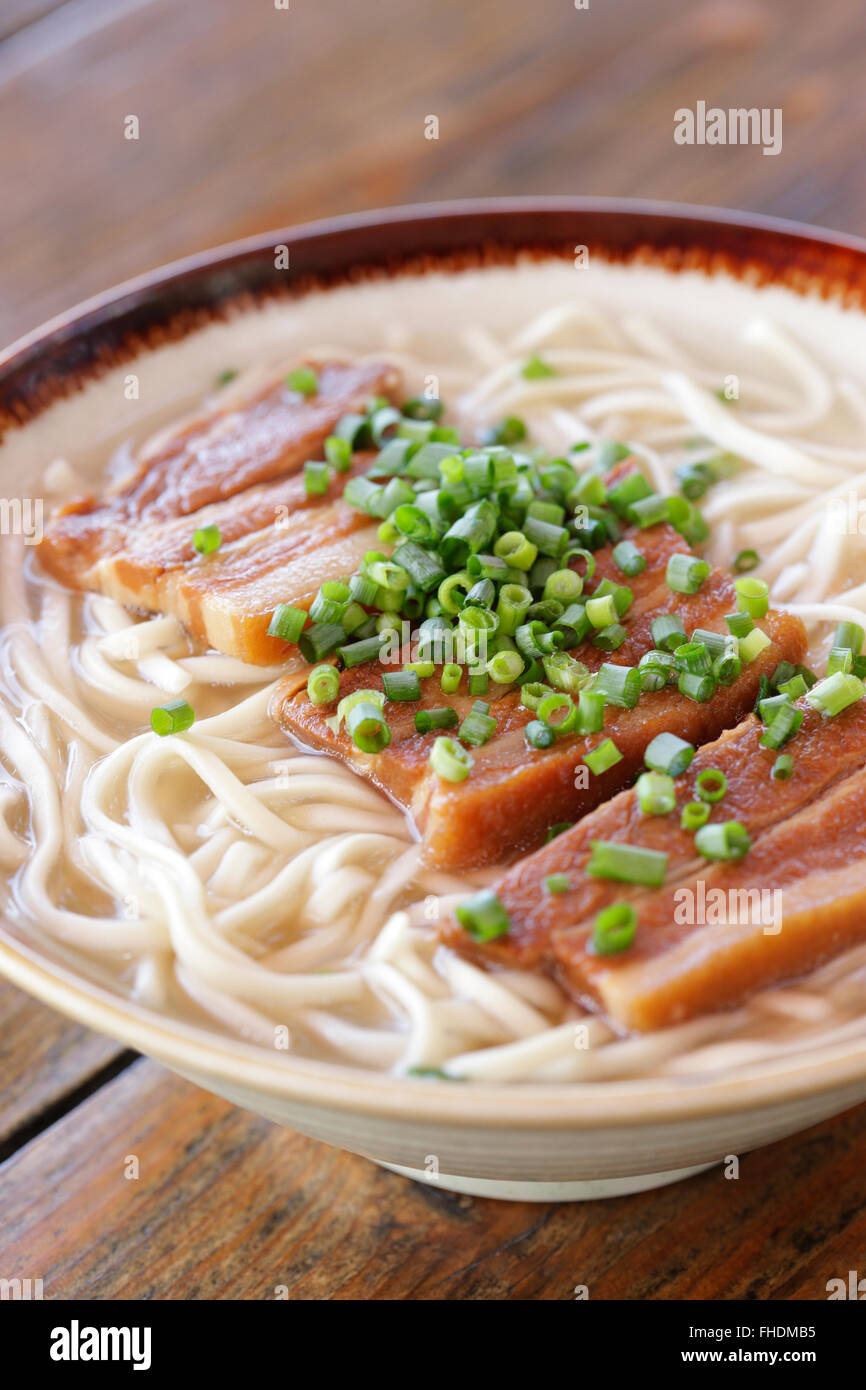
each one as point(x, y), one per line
point(543, 925)
point(233, 447)
point(812, 867)
point(514, 792)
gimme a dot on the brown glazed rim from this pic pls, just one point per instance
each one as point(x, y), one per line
point(166, 304)
point(65, 354)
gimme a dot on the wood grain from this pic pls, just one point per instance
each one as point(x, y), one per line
point(228, 1206)
point(252, 118)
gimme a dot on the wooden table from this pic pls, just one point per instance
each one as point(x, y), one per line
point(252, 117)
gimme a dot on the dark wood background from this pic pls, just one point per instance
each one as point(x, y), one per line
point(251, 118)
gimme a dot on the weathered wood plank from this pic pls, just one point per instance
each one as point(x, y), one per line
point(228, 1206)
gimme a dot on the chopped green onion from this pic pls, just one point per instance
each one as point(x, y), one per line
point(628, 559)
point(535, 369)
point(685, 574)
point(783, 767)
point(553, 704)
point(739, 624)
point(727, 840)
point(728, 667)
point(513, 602)
point(753, 644)
point(517, 552)
point(511, 430)
point(304, 380)
point(367, 725)
point(401, 685)
point(693, 657)
point(840, 659)
point(648, 511)
point(338, 452)
point(601, 611)
point(565, 585)
point(627, 863)
point(533, 693)
point(836, 693)
point(356, 653)
point(287, 623)
point(753, 596)
point(620, 685)
point(849, 635)
point(331, 601)
point(710, 785)
point(557, 883)
point(656, 793)
point(449, 761)
point(628, 490)
point(668, 632)
point(538, 735)
point(173, 718)
point(226, 376)
point(427, 719)
point(614, 929)
point(745, 561)
point(316, 478)
point(694, 815)
point(478, 726)
point(206, 539)
point(603, 757)
point(482, 916)
point(610, 638)
point(478, 682)
point(504, 667)
point(696, 687)
point(558, 829)
point(323, 683)
point(423, 669)
point(590, 712)
point(422, 567)
point(668, 753)
point(450, 678)
point(564, 672)
point(657, 669)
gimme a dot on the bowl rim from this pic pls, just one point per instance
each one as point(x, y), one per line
point(725, 239)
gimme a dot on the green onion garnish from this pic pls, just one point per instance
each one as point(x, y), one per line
point(450, 678)
point(753, 644)
point(710, 785)
point(614, 929)
point(656, 793)
point(226, 376)
point(287, 623)
point(558, 705)
point(685, 574)
point(785, 723)
point(694, 657)
point(478, 726)
point(590, 712)
point(449, 761)
point(505, 667)
point(836, 693)
point(356, 653)
point(745, 561)
point(628, 559)
point(739, 624)
point(532, 694)
point(173, 718)
point(557, 883)
point(727, 840)
point(694, 815)
point(559, 828)
point(367, 725)
point(753, 596)
point(316, 478)
point(667, 753)
point(206, 539)
point(668, 632)
point(319, 640)
point(849, 635)
point(538, 735)
point(511, 430)
point(605, 756)
point(696, 687)
point(323, 682)
point(783, 767)
point(482, 917)
point(427, 719)
point(401, 685)
point(304, 380)
point(627, 863)
point(620, 685)
point(338, 452)
point(535, 369)
point(478, 682)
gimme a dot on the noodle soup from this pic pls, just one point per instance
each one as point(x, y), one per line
point(232, 877)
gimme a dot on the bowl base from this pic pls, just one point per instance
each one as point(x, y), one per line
point(586, 1190)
